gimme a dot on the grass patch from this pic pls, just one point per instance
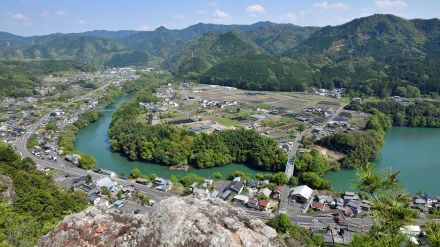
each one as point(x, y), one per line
point(227, 122)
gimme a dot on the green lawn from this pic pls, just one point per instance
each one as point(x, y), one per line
point(227, 122)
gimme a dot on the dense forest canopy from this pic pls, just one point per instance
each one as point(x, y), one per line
point(421, 113)
point(38, 205)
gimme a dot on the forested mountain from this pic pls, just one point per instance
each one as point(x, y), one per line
point(80, 48)
point(201, 54)
point(156, 46)
point(373, 55)
point(8, 40)
point(260, 73)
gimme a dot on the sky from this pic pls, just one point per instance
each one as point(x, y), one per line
point(38, 17)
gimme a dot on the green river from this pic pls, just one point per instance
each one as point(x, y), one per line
point(415, 152)
point(93, 140)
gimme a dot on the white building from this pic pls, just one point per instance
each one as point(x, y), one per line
point(302, 193)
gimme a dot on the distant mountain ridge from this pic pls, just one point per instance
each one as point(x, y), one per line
point(369, 55)
point(158, 45)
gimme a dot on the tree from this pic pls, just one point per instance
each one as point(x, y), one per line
point(390, 207)
point(87, 162)
point(432, 231)
point(301, 127)
point(313, 180)
point(191, 178)
point(279, 178)
point(281, 223)
point(413, 92)
point(135, 173)
point(217, 175)
point(88, 179)
point(293, 181)
point(401, 91)
point(173, 179)
point(153, 176)
point(105, 191)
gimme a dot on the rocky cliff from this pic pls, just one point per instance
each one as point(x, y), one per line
point(188, 221)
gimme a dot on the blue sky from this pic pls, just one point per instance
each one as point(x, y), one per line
point(36, 17)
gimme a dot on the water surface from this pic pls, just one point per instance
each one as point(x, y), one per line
point(415, 152)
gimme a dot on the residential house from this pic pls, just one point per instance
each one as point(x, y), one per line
point(430, 199)
point(348, 195)
point(226, 195)
point(346, 210)
point(355, 206)
point(193, 186)
point(277, 191)
point(118, 203)
point(144, 182)
point(258, 117)
point(302, 193)
point(127, 190)
point(318, 206)
point(264, 192)
point(252, 183)
point(93, 199)
point(160, 181)
point(105, 172)
point(165, 187)
point(106, 182)
point(252, 203)
point(241, 198)
point(419, 200)
point(207, 182)
point(263, 205)
point(235, 186)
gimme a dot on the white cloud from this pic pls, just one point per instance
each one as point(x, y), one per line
point(220, 14)
point(255, 10)
point(19, 17)
point(60, 13)
point(330, 6)
point(81, 22)
point(385, 4)
point(288, 17)
point(213, 4)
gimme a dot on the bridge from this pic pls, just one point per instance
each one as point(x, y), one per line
point(290, 167)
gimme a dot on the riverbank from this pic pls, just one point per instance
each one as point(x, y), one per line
point(412, 151)
point(94, 140)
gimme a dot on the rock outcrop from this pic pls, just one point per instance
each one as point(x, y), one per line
point(7, 189)
point(177, 221)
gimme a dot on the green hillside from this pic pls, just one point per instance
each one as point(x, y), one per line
point(80, 48)
point(19, 78)
point(210, 49)
point(374, 55)
point(260, 73)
